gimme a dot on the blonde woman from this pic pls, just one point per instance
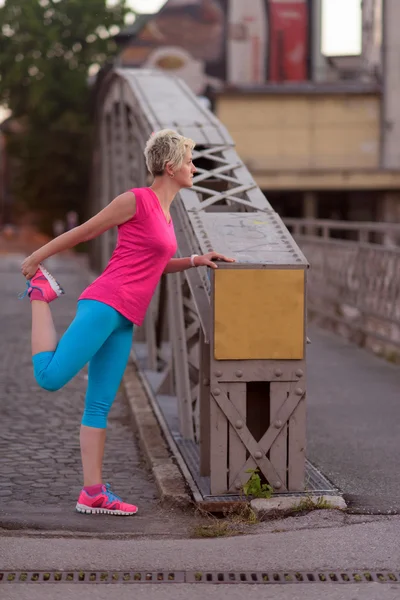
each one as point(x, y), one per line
point(101, 332)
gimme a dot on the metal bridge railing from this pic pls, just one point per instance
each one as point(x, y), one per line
point(224, 352)
point(354, 280)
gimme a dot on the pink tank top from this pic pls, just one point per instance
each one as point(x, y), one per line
point(146, 243)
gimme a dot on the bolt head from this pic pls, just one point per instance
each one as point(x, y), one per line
point(299, 373)
point(278, 424)
point(218, 373)
point(217, 392)
point(238, 485)
point(257, 455)
point(239, 424)
point(239, 373)
point(278, 373)
point(277, 485)
point(299, 392)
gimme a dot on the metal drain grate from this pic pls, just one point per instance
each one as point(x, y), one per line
point(294, 577)
point(217, 577)
point(92, 577)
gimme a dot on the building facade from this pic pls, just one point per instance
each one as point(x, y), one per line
point(320, 133)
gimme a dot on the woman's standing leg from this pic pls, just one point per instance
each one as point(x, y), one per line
point(106, 370)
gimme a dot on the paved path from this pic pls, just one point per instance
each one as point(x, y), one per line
point(40, 469)
point(353, 422)
point(353, 416)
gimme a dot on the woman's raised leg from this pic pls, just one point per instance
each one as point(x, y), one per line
point(55, 366)
point(44, 336)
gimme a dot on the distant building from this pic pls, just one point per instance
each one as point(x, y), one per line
point(321, 134)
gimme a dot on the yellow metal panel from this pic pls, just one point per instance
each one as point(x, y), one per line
point(259, 314)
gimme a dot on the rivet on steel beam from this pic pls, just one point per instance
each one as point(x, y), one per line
point(218, 373)
point(278, 424)
point(217, 392)
point(278, 373)
point(299, 392)
point(299, 373)
point(239, 424)
point(239, 373)
point(206, 382)
point(278, 485)
point(257, 455)
point(238, 485)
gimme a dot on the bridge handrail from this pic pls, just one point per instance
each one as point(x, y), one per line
point(381, 233)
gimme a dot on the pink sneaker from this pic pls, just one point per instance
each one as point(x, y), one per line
point(104, 503)
point(42, 286)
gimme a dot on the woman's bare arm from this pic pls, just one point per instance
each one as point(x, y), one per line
point(120, 210)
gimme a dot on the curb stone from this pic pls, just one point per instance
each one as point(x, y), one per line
point(167, 475)
point(266, 508)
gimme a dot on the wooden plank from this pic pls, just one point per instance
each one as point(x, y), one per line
point(245, 435)
point(297, 448)
point(150, 329)
point(237, 451)
point(218, 449)
point(180, 356)
point(283, 416)
point(279, 392)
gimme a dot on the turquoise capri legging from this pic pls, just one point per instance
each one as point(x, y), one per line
point(98, 335)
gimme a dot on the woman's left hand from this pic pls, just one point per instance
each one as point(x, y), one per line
point(206, 260)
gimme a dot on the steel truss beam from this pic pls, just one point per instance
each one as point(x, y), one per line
point(226, 211)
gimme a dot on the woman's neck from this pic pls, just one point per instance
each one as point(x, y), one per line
point(166, 190)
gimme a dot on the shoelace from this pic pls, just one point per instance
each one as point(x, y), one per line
point(29, 287)
point(110, 495)
point(23, 294)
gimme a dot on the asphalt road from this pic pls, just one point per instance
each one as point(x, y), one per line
point(353, 422)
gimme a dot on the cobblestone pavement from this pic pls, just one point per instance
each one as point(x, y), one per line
point(39, 431)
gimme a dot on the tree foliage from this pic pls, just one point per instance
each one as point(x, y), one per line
point(48, 48)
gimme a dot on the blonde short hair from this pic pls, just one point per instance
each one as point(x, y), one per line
point(166, 146)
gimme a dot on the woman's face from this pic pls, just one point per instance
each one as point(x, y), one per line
point(184, 175)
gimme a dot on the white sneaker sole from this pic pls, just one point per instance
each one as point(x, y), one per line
point(55, 286)
point(82, 508)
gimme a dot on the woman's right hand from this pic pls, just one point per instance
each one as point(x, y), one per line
point(29, 266)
